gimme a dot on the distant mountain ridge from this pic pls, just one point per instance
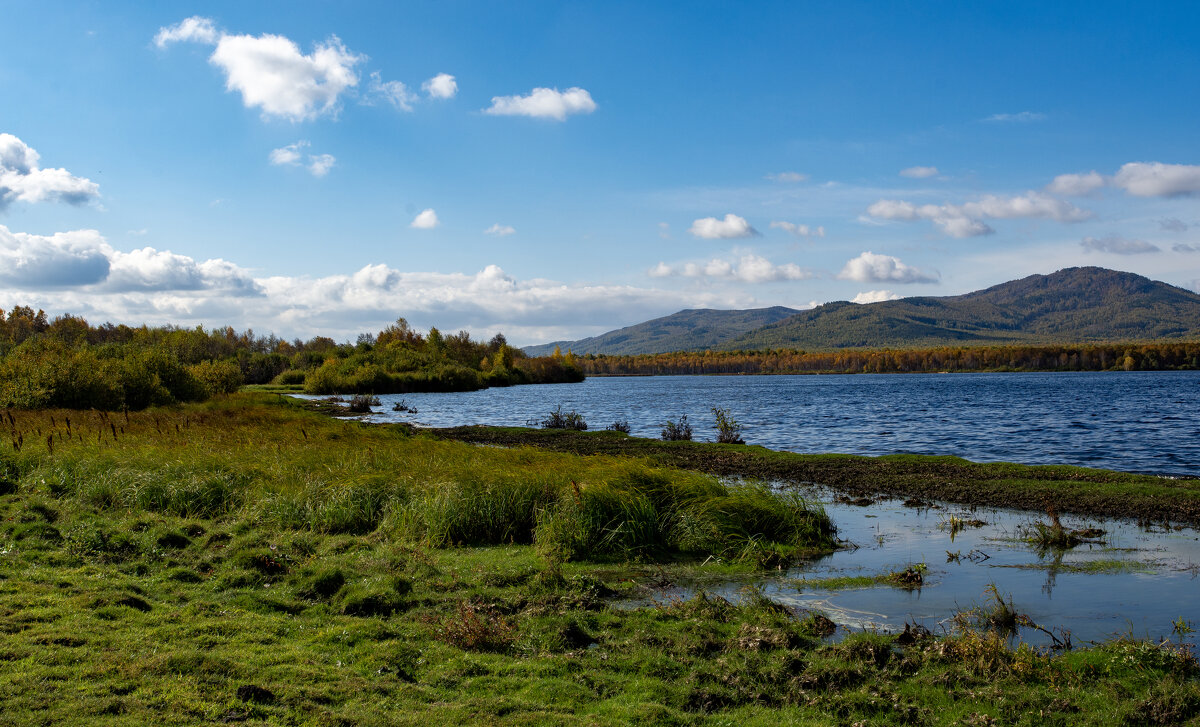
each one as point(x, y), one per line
point(696, 329)
point(1074, 305)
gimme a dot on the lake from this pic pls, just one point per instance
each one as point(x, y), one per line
point(1137, 581)
point(1131, 421)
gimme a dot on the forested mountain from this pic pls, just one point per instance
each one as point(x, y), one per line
point(1075, 305)
point(1070, 306)
point(687, 330)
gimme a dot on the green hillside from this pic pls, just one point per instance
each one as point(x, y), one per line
point(687, 330)
point(1073, 305)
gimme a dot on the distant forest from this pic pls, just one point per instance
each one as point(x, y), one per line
point(1088, 357)
point(68, 363)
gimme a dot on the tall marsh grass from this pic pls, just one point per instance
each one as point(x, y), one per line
point(259, 458)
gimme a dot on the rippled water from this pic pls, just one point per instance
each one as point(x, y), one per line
point(1132, 421)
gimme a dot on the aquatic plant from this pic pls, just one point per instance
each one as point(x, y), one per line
point(728, 430)
point(677, 430)
point(559, 419)
point(362, 403)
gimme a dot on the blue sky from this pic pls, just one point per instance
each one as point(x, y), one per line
point(273, 165)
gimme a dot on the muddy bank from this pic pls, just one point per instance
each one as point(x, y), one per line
point(1078, 490)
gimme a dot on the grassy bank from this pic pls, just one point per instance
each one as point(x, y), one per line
point(250, 561)
point(1064, 489)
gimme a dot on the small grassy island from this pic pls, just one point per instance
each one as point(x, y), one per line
point(250, 560)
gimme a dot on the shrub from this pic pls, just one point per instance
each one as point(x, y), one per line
point(291, 377)
point(560, 420)
point(728, 430)
point(218, 377)
point(362, 403)
point(677, 431)
point(621, 426)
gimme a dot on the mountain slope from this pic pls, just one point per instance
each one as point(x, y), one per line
point(687, 330)
point(1069, 306)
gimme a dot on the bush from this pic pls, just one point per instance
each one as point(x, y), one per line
point(291, 377)
point(621, 426)
point(728, 430)
point(362, 403)
point(569, 420)
point(218, 377)
point(677, 431)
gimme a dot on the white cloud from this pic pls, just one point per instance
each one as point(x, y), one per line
point(874, 296)
point(84, 259)
point(664, 230)
point(426, 220)
point(872, 268)
point(1155, 179)
point(1117, 245)
point(1020, 117)
point(747, 268)
point(499, 230)
point(544, 103)
point(919, 172)
point(287, 155)
point(291, 155)
point(270, 71)
point(1173, 224)
point(394, 92)
point(22, 180)
point(790, 177)
point(320, 164)
point(967, 220)
point(442, 85)
point(80, 257)
point(1076, 185)
point(194, 29)
point(1183, 247)
point(710, 228)
point(798, 230)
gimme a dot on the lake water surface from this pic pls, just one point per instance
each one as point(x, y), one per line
point(1136, 582)
point(1131, 421)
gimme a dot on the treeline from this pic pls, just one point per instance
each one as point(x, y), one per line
point(68, 363)
point(1089, 357)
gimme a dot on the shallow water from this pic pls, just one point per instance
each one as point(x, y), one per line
point(1131, 421)
point(1159, 583)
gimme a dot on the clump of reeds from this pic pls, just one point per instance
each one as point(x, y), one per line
point(677, 430)
point(362, 403)
point(559, 419)
point(619, 426)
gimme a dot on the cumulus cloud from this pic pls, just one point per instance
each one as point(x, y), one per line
point(499, 230)
point(1172, 224)
point(1022, 117)
point(84, 259)
point(270, 71)
point(21, 179)
point(872, 268)
point(194, 29)
point(442, 85)
point(733, 226)
point(292, 155)
point(919, 172)
point(426, 220)
point(1076, 185)
point(544, 103)
point(1117, 245)
point(1155, 179)
point(1183, 247)
point(798, 230)
point(967, 220)
point(748, 268)
point(790, 177)
point(874, 296)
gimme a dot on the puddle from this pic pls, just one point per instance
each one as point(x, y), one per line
point(1135, 583)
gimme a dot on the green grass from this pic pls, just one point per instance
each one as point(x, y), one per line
point(249, 561)
point(909, 578)
point(1101, 565)
point(1062, 488)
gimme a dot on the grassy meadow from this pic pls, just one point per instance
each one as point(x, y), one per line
point(249, 560)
